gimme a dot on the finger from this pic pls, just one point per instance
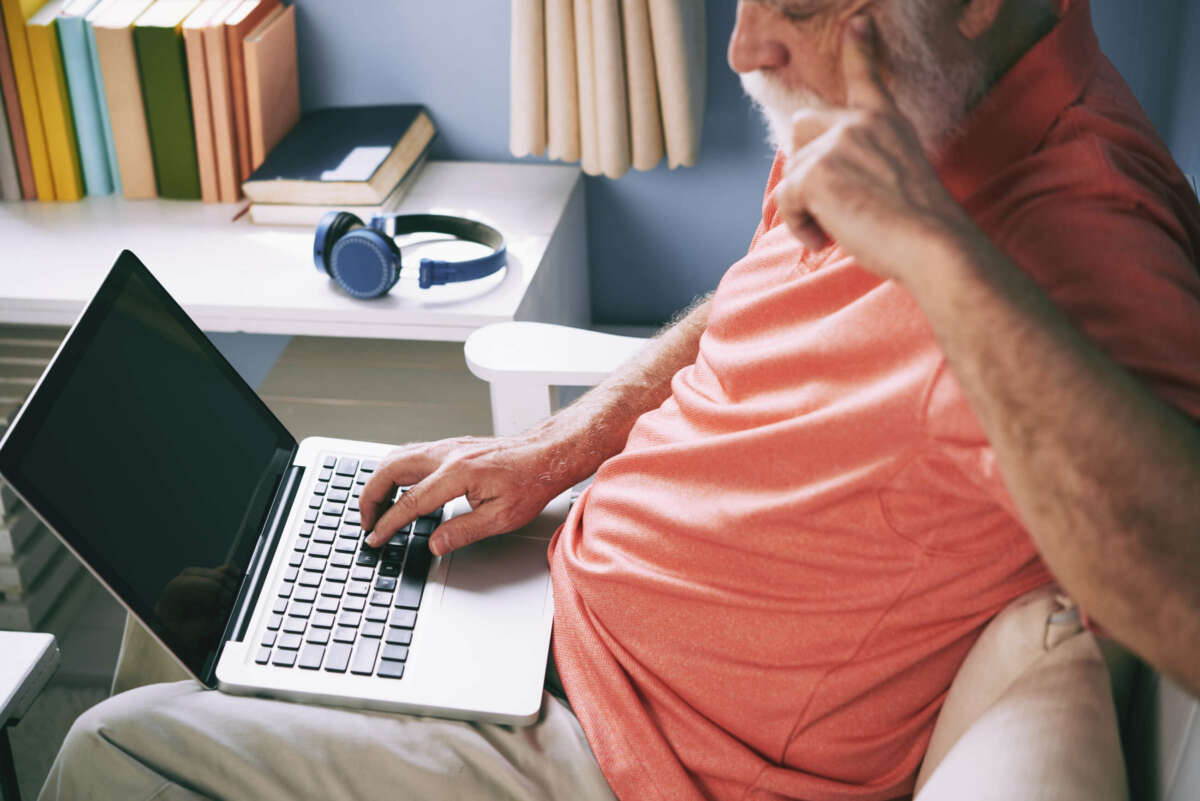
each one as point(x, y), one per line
point(464, 530)
point(806, 229)
point(424, 497)
point(401, 468)
point(864, 87)
point(790, 199)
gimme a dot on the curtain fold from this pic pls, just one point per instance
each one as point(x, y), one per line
point(609, 83)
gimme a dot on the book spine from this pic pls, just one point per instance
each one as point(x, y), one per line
point(10, 182)
point(222, 114)
point(16, 120)
point(162, 65)
point(127, 110)
point(206, 158)
point(35, 135)
point(106, 129)
point(55, 105)
point(93, 156)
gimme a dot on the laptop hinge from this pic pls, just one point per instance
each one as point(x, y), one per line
point(260, 565)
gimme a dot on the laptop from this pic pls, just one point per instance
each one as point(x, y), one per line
point(240, 549)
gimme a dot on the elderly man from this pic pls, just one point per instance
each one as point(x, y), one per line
point(808, 491)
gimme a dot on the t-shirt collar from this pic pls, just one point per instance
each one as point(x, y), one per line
point(1014, 117)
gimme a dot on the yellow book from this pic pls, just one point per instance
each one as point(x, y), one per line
point(15, 14)
point(55, 102)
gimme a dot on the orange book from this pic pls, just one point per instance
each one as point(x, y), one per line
point(272, 82)
point(238, 25)
point(221, 103)
point(193, 45)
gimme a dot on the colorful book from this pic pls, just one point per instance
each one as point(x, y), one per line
point(110, 143)
point(85, 104)
point(272, 82)
point(238, 25)
point(162, 65)
point(112, 28)
point(16, 120)
point(343, 156)
point(16, 12)
point(10, 182)
point(193, 45)
point(53, 100)
point(221, 103)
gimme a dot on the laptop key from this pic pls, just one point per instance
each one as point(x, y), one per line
point(315, 502)
point(371, 629)
point(306, 530)
point(337, 496)
point(389, 569)
point(295, 559)
point(344, 634)
point(321, 488)
point(359, 588)
point(342, 482)
point(403, 618)
point(364, 657)
point(332, 588)
point(301, 545)
point(306, 594)
point(286, 590)
point(378, 598)
point(340, 559)
point(311, 656)
point(350, 532)
point(334, 509)
point(310, 516)
point(362, 573)
point(280, 606)
point(290, 641)
point(319, 549)
point(346, 546)
point(369, 465)
point(268, 638)
point(337, 657)
point(377, 613)
point(416, 569)
point(327, 605)
point(368, 557)
point(310, 579)
point(389, 669)
point(398, 636)
point(328, 521)
point(424, 526)
point(325, 474)
point(339, 574)
point(324, 536)
point(395, 652)
point(329, 461)
point(319, 636)
point(314, 563)
point(385, 583)
point(291, 573)
point(283, 658)
point(349, 619)
point(274, 622)
point(354, 603)
point(352, 518)
point(322, 620)
point(264, 655)
point(295, 625)
point(347, 466)
point(300, 609)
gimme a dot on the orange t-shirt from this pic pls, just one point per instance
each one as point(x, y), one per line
point(768, 592)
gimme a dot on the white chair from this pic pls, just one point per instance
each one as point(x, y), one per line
point(1029, 715)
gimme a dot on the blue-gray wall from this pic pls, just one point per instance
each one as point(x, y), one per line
point(658, 239)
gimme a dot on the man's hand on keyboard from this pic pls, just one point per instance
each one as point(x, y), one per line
point(507, 481)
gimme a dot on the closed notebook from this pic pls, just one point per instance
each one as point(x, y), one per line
point(112, 27)
point(54, 101)
point(349, 155)
point(193, 43)
point(110, 147)
point(239, 25)
point(220, 95)
point(85, 103)
point(10, 183)
point(162, 65)
point(16, 120)
point(16, 12)
point(272, 83)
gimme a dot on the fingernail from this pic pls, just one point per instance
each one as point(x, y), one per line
point(435, 547)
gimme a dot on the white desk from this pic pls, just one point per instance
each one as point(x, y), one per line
point(234, 276)
point(29, 662)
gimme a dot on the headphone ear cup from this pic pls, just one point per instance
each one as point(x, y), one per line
point(333, 226)
point(365, 263)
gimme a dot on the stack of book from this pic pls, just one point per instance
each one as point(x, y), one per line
point(361, 159)
point(38, 575)
point(149, 98)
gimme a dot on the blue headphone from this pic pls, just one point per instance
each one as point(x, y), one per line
point(365, 260)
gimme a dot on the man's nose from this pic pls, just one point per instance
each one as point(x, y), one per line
point(753, 45)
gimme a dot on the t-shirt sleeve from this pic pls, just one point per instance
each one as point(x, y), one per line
point(1124, 274)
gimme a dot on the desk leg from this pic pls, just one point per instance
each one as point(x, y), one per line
point(8, 771)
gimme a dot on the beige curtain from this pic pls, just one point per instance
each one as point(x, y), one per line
point(612, 84)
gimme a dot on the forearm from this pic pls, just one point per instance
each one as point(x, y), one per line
point(596, 426)
point(1103, 473)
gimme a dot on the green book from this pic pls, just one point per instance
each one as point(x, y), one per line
point(162, 66)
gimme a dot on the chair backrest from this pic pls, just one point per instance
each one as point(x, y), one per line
point(1160, 733)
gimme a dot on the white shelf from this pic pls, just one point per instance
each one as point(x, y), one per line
point(234, 276)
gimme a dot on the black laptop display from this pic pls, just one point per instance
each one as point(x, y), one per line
point(171, 461)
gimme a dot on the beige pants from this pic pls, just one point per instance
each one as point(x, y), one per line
point(177, 741)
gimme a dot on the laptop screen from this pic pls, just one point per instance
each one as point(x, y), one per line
point(152, 458)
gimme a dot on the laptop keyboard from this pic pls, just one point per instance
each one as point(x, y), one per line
point(343, 606)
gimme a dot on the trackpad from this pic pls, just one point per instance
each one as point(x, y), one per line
point(506, 569)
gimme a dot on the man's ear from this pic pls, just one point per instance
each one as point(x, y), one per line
point(976, 17)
